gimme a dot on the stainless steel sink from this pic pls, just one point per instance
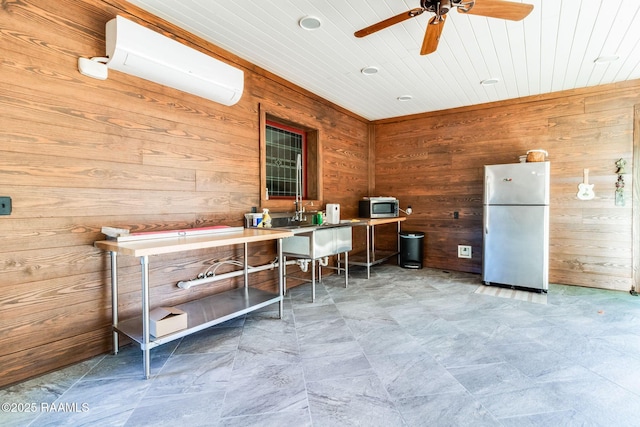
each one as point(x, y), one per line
point(297, 227)
point(287, 221)
point(307, 228)
point(313, 242)
point(317, 241)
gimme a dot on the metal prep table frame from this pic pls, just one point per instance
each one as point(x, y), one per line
point(372, 256)
point(201, 313)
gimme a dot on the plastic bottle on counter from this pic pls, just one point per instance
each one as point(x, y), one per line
point(266, 219)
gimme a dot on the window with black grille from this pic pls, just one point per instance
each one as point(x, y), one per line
point(283, 145)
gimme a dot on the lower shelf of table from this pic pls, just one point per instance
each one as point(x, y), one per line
point(377, 257)
point(204, 313)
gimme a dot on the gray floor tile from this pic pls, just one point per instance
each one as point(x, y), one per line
point(413, 374)
point(340, 366)
point(445, 410)
point(218, 340)
point(193, 410)
point(522, 398)
point(570, 418)
point(260, 349)
point(404, 348)
point(265, 390)
point(96, 402)
point(358, 401)
point(601, 401)
point(294, 417)
point(193, 373)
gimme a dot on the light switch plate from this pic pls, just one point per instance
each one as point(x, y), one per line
point(5, 205)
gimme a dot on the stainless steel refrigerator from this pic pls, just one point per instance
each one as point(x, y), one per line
point(515, 248)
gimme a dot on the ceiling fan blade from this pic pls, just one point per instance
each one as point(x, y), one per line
point(388, 22)
point(432, 35)
point(499, 9)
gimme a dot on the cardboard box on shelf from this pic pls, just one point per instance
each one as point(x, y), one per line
point(165, 320)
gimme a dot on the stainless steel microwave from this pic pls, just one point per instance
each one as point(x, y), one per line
point(378, 207)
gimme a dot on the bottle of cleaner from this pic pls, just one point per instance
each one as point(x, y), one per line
point(266, 218)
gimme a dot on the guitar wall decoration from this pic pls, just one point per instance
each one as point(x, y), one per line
point(585, 190)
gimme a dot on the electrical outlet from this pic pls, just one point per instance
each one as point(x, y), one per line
point(5, 205)
point(464, 251)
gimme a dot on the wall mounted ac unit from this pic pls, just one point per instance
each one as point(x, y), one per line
point(139, 51)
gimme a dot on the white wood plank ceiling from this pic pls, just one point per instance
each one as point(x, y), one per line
point(553, 49)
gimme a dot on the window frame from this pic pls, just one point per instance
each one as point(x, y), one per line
point(314, 188)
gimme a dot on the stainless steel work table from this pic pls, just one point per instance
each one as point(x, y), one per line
point(372, 256)
point(201, 313)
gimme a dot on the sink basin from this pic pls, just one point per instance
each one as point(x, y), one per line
point(294, 226)
point(312, 241)
point(288, 222)
point(317, 241)
point(297, 227)
point(309, 227)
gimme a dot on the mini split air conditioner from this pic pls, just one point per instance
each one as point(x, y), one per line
point(139, 51)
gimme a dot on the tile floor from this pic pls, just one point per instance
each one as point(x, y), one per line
point(404, 348)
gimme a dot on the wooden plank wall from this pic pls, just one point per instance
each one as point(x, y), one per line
point(78, 153)
point(434, 162)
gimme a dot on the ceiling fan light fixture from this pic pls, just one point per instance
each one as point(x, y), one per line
point(606, 59)
point(310, 23)
point(369, 71)
point(404, 98)
point(490, 82)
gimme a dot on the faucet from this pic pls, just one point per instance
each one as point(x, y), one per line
point(298, 200)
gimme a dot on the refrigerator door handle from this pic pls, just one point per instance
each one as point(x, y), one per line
point(486, 220)
point(486, 202)
point(486, 190)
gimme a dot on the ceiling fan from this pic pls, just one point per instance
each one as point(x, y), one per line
point(490, 8)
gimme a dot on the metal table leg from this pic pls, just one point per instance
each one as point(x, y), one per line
point(246, 265)
point(281, 267)
point(283, 262)
point(398, 239)
point(114, 300)
point(313, 280)
point(346, 269)
point(146, 350)
point(369, 232)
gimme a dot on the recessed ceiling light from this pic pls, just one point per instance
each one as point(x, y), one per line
point(489, 82)
point(606, 59)
point(310, 23)
point(405, 98)
point(368, 71)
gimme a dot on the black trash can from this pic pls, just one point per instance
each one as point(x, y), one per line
point(411, 249)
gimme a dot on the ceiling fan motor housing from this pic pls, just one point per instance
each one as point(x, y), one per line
point(439, 7)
